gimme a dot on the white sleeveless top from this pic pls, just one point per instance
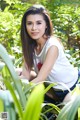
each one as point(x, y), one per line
point(62, 71)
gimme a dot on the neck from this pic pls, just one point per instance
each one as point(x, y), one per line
point(40, 45)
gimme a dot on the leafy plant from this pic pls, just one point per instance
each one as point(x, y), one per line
point(22, 98)
point(14, 85)
point(71, 110)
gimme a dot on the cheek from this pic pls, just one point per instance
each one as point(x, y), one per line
point(27, 29)
point(43, 29)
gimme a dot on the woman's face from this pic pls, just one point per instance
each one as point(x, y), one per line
point(35, 25)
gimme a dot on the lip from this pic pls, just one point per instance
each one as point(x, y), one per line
point(34, 33)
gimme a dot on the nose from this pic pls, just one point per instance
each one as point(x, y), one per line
point(34, 26)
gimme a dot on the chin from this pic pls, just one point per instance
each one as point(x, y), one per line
point(35, 38)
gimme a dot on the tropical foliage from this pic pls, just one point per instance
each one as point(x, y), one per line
point(65, 18)
point(25, 100)
point(20, 99)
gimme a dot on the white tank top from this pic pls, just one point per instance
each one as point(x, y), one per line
point(62, 71)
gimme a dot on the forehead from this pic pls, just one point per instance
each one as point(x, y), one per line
point(35, 17)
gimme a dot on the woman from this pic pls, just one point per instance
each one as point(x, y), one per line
point(44, 53)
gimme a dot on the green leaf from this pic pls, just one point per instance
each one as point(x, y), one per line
point(4, 55)
point(54, 107)
point(33, 107)
point(79, 113)
point(64, 112)
point(16, 100)
point(1, 105)
point(1, 65)
point(69, 111)
point(74, 109)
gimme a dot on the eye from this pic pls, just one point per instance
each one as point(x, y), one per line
point(29, 23)
point(39, 23)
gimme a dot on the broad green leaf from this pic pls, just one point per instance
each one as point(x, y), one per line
point(5, 57)
point(1, 65)
point(1, 105)
point(64, 112)
point(74, 109)
point(16, 100)
point(33, 107)
point(79, 113)
point(69, 111)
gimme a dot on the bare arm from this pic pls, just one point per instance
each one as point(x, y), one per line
point(51, 57)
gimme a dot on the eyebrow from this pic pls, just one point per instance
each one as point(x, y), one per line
point(36, 21)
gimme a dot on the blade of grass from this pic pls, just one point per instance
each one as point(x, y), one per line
point(4, 55)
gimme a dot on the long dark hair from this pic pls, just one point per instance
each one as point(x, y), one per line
point(28, 44)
